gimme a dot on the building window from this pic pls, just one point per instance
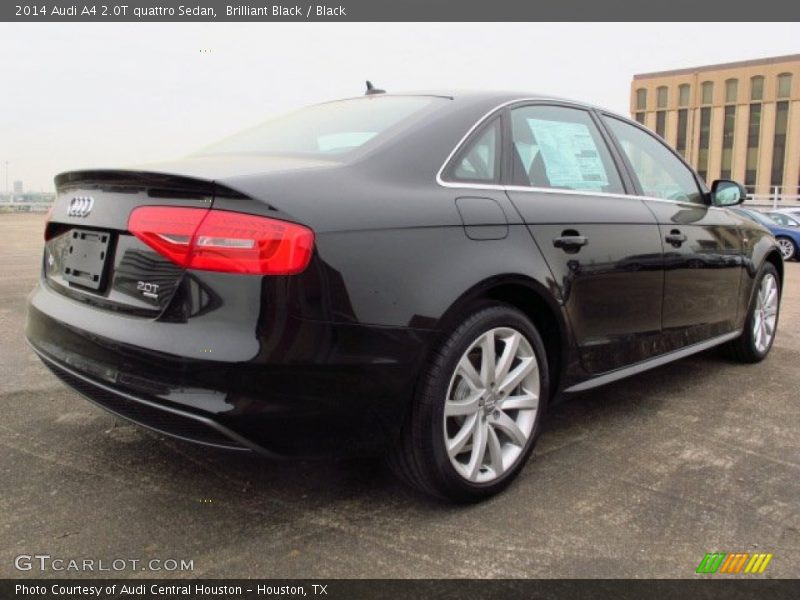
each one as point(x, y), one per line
point(661, 123)
point(731, 89)
point(784, 85)
point(661, 97)
point(683, 94)
point(641, 99)
point(640, 117)
point(728, 128)
point(683, 129)
point(707, 92)
point(753, 135)
point(705, 139)
point(779, 145)
point(757, 88)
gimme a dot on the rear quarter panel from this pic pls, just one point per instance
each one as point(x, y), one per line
point(759, 243)
point(394, 252)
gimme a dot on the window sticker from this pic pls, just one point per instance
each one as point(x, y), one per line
point(570, 155)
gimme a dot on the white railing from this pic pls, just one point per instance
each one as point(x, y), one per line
point(777, 197)
point(6, 207)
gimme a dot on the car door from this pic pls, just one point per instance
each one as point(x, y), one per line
point(603, 248)
point(702, 243)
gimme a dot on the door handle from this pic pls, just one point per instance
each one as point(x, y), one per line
point(675, 237)
point(570, 242)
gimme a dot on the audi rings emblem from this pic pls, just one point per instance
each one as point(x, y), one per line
point(80, 206)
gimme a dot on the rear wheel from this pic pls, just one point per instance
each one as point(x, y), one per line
point(787, 247)
point(762, 320)
point(478, 408)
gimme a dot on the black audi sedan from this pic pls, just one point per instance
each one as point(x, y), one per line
point(419, 275)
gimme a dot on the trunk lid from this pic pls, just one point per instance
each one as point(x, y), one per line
point(89, 254)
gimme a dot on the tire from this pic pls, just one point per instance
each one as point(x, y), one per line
point(751, 346)
point(787, 247)
point(476, 404)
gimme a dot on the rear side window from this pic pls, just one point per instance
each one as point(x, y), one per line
point(660, 173)
point(559, 147)
point(327, 129)
point(479, 161)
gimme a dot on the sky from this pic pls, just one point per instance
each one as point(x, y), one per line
point(122, 94)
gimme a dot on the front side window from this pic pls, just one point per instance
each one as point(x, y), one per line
point(333, 128)
point(479, 161)
point(558, 147)
point(660, 173)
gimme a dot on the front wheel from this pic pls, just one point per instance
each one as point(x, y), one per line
point(787, 247)
point(477, 411)
point(762, 319)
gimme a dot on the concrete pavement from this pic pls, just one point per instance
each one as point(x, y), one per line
point(637, 479)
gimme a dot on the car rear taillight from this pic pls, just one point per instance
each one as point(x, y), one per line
point(218, 240)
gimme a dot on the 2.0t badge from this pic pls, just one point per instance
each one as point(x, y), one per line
point(149, 290)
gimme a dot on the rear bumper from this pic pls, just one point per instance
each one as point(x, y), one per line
point(317, 390)
point(157, 417)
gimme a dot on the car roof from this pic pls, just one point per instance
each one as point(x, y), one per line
point(490, 97)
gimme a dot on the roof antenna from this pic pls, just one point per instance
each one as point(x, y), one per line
point(371, 89)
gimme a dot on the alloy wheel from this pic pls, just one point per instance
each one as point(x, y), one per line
point(787, 248)
point(491, 405)
point(766, 313)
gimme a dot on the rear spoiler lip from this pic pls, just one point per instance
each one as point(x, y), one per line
point(139, 179)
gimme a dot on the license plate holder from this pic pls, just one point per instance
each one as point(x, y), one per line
point(85, 258)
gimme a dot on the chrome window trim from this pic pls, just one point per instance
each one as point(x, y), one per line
point(476, 125)
point(541, 190)
point(520, 188)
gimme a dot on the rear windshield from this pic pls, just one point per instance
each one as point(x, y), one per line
point(333, 128)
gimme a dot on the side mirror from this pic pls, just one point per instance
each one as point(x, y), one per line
point(725, 192)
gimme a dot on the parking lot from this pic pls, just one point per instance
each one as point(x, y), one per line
point(637, 479)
